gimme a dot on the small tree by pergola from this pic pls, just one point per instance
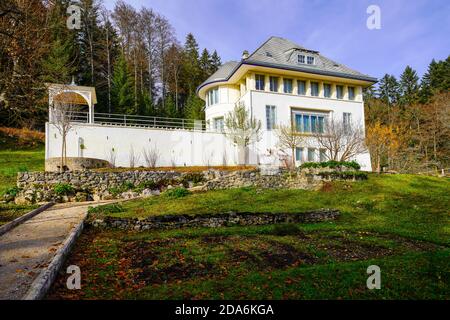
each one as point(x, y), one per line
point(288, 138)
point(341, 141)
point(242, 130)
point(63, 114)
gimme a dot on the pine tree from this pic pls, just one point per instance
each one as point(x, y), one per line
point(409, 86)
point(195, 108)
point(122, 88)
point(191, 66)
point(205, 64)
point(215, 62)
point(436, 79)
point(388, 89)
point(58, 65)
point(170, 108)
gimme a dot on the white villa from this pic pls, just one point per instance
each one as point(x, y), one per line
point(279, 83)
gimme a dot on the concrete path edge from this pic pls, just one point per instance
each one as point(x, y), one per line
point(12, 224)
point(43, 282)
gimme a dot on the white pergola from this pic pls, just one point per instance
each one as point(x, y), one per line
point(71, 93)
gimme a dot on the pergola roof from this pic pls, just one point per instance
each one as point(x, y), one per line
point(72, 94)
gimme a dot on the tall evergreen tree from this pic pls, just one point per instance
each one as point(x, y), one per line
point(436, 79)
point(191, 67)
point(170, 110)
point(409, 86)
point(195, 108)
point(58, 65)
point(205, 64)
point(388, 89)
point(215, 62)
point(122, 88)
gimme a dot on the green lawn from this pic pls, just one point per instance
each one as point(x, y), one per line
point(11, 162)
point(407, 205)
point(398, 222)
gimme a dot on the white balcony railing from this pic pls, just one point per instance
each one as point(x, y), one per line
point(139, 121)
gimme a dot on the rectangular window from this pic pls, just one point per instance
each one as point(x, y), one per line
point(287, 85)
point(259, 81)
point(322, 155)
point(314, 124)
point(339, 92)
point(306, 126)
point(301, 87)
point(273, 81)
point(314, 89)
point(212, 97)
point(327, 90)
point(299, 154)
point(351, 93)
point(347, 118)
point(298, 123)
point(311, 154)
point(270, 117)
point(301, 58)
point(310, 60)
point(321, 124)
point(309, 122)
point(218, 124)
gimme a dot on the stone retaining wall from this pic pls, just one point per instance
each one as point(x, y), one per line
point(213, 221)
point(102, 185)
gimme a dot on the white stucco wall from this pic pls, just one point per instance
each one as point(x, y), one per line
point(176, 147)
point(265, 151)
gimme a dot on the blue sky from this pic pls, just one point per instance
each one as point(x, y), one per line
point(412, 32)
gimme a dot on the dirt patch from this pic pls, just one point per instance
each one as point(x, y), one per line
point(327, 186)
point(148, 265)
point(348, 250)
point(214, 239)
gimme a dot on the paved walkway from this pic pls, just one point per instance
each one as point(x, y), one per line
point(30, 247)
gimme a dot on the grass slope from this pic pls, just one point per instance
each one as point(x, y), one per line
point(398, 222)
point(20, 150)
point(407, 205)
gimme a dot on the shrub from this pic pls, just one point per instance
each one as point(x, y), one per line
point(148, 185)
point(331, 164)
point(194, 177)
point(177, 193)
point(285, 229)
point(345, 175)
point(105, 209)
point(127, 186)
point(63, 189)
point(12, 192)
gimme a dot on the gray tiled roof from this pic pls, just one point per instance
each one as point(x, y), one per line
point(281, 53)
point(223, 72)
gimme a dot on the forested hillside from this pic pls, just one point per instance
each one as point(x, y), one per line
point(138, 66)
point(408, 120)
point(133, 59)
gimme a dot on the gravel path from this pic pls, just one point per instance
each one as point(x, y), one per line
point(30, 247)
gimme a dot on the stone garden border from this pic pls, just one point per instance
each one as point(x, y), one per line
point(214, 220)
point(12, 224)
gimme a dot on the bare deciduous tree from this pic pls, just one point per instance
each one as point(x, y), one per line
point(133, 157)
point(242, 130)
point(288, 138)
point(341, 141)
point(61, 116)
point(112, 156)
point(151, 156)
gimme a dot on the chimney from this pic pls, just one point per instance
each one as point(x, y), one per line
point(244, 55)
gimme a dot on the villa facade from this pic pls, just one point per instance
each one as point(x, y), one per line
point(284, 83)
point(280, 83)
